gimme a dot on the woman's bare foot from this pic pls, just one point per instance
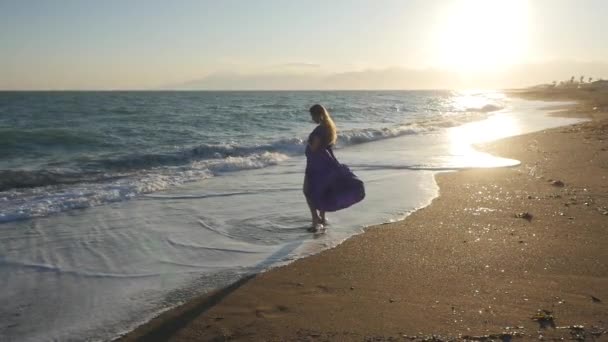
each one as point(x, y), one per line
point(322, 218)
point(316, 227)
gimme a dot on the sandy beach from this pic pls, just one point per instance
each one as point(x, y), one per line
point(502, 253)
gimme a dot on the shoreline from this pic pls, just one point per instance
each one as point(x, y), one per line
point(330, 296)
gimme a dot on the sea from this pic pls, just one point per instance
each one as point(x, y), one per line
point(116, 206)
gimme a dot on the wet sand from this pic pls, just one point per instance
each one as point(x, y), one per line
point(493, 249)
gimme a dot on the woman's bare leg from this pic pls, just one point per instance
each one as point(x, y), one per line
point(313, 212)
point(322, 216)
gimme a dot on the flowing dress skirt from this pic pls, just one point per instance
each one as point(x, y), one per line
point(329, 185)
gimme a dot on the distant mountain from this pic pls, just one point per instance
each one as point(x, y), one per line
point(392, 78)
point(398, 78)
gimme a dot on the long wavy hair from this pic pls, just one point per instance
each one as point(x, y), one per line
point(320, 114)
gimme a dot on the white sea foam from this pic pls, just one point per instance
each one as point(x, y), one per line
point(358, 136)
point(19, 204)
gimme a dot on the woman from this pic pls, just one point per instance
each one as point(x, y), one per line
point(318, 161)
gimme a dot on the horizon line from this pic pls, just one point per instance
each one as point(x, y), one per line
point(243, 90)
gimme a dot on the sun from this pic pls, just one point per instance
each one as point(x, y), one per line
point(482, 35)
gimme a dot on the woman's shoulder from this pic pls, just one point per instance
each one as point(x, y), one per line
point(318, 132)
point(320, 129)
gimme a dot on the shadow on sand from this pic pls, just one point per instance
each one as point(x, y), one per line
point(163, 327)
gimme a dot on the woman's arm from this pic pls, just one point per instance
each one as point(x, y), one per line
point(315, 143)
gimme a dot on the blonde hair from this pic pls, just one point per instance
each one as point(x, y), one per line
point(325, 119)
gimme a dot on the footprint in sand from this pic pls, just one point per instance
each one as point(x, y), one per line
point(271, 312)
point(323, 288)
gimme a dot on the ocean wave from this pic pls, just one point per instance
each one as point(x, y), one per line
point(215, 158)
point(38, 202)
point(25, 194)
point(487, 108)
point(255, 161)
point(190, 171)
point(230, 153)
point(24, 203)
point(359, 136)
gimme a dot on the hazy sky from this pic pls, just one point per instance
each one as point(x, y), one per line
point(117, 44)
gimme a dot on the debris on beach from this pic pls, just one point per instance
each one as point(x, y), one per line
point(595, 299)
point(558, 183)
point(513, 328)
point(577, 332)
point(525, 215)
point(597, 331)
point(504, 336)
point(572, 327)
point(545, 318)
point(580, 333)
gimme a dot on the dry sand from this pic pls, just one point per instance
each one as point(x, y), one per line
point(464, 267)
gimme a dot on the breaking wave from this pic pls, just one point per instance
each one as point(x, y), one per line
point(35, 193)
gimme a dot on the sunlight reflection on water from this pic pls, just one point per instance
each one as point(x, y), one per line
point(463, 138)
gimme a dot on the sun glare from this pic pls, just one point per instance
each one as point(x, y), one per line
point(463, 138)
point(479, 35)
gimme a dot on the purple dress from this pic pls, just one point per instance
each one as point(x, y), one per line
point(329, 185)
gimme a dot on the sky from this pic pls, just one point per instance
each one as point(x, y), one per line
point(288, 44)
